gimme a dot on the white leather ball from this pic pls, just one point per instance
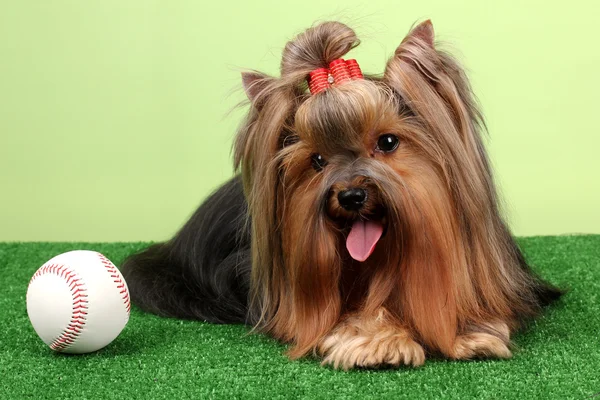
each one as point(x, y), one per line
point(78, 302)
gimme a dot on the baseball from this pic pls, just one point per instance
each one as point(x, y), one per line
point(78, 302)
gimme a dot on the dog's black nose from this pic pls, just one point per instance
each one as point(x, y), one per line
point(352, 199)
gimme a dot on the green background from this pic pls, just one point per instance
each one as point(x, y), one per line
point(114, 114)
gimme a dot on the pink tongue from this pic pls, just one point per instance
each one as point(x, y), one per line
point(362, 239)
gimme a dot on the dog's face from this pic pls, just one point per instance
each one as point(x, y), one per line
point(361, 161)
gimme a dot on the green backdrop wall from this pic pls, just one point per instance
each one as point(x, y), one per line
point(113, 114)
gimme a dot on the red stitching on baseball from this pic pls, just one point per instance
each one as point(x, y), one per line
point(114, 273)
point(80, 304)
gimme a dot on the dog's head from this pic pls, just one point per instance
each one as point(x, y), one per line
point(372, 192)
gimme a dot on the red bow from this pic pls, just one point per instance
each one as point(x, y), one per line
point(338, 72)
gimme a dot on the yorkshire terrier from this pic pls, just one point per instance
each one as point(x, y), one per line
point(364, 226)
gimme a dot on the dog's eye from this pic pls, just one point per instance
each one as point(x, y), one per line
point(387, 142)
point(318, 162)
point(289, 140)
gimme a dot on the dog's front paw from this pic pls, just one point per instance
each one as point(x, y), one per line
point(492, 341)
point(353, 345)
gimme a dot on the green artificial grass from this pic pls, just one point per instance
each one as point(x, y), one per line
point(558, 357)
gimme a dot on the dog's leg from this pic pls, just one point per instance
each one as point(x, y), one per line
point(370, 341)
point(484, 340)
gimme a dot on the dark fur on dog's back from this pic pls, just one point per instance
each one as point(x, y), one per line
point(204, 271)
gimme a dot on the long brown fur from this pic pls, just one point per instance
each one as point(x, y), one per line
point(446, 277)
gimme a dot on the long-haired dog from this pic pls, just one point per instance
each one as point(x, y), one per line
point(364, 226)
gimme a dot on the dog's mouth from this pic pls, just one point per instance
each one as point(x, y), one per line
point(364, 232)
point(363, 237)
point(362, 226)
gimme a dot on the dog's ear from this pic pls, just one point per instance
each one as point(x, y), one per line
point(418, 50)
point(423, 33)
point(255, 84)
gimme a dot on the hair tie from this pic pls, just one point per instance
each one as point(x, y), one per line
point(339, 71)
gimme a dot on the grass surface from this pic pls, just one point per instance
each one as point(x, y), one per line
point(558, 357)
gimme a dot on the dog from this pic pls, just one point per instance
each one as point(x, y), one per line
point(363, 226)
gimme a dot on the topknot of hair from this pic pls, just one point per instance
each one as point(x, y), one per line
point(316, 48)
